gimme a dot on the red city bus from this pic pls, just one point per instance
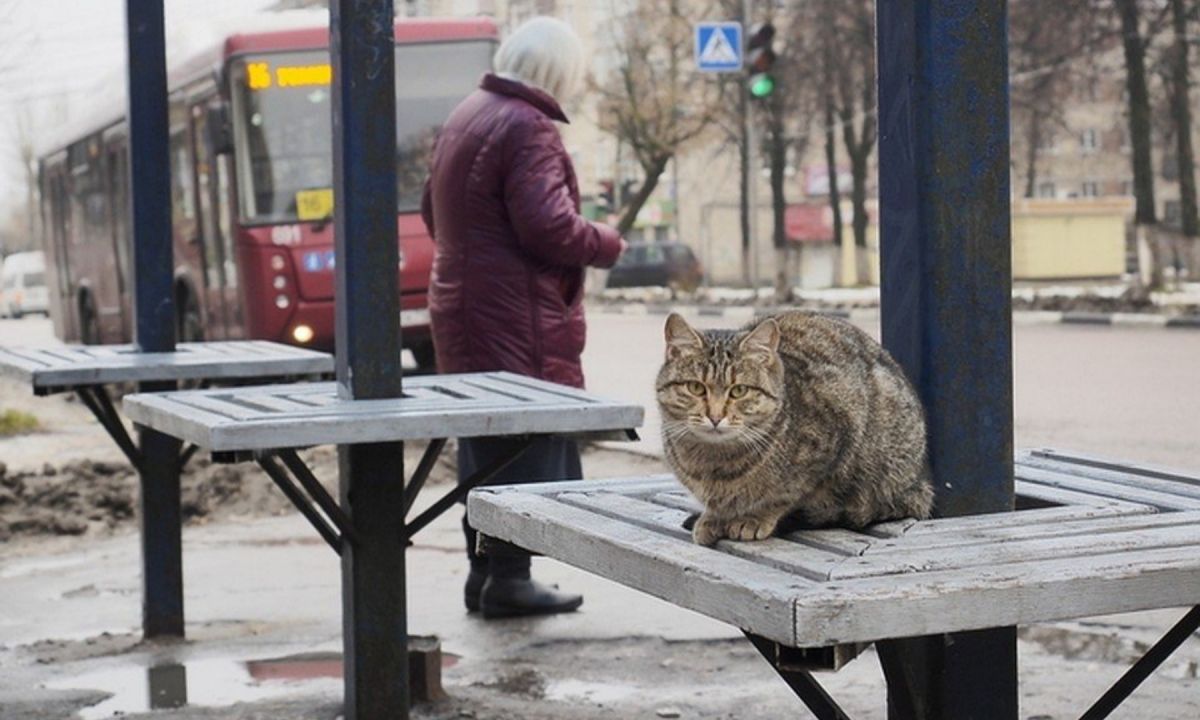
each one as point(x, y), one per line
point(251, 168)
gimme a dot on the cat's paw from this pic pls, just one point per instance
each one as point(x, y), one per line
point(707, 530)
point(750, 529)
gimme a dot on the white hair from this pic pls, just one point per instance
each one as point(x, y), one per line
point(545, 53)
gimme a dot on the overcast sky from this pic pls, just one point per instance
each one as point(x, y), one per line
point(55, 53)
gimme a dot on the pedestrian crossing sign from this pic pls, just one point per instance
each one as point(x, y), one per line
point(719, 46)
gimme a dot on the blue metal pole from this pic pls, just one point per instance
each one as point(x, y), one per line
point(154, 309)
point(374, 623)
point(946, 302)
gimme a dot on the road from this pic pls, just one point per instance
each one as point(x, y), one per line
point(1129, 393)
point(1125, 392)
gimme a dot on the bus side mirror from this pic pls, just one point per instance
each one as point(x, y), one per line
point(220, 132)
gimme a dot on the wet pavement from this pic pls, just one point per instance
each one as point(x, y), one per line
point(263, 593)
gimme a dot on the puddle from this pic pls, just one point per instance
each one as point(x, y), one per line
point(31, 567)
point(574, 690)
point(210, 683)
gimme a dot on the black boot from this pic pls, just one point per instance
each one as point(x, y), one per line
point(475, 580)
point(515, 597)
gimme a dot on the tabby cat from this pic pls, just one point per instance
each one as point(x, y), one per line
point(795, 415)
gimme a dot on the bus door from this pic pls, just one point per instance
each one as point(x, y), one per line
point(117, 171)
point(56, 226)
point(212, 190)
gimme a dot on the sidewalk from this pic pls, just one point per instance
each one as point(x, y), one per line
point(1087, 303)
point(264, 623)
point(268, 590)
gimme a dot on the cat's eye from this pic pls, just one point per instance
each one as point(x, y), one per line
point(696, 388)
point(738, 391)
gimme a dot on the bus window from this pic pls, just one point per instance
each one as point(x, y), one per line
point(118, 179)
point(206, 186)
point(281, 116)
point(183, 204)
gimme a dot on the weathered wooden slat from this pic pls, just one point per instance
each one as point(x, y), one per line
point(634, 485)
point(837, 540)
point(1060, 496)
point(1180, 485)
point(736, 591)
point(1183, 534)
point(525, 384)
point(74, 365)
point(932, 531)
point(813, 563)
point(241, 418)
point(1131, 468)
point(1157, 498)
point(1051, 523)
point(680, 499)
point(1013, 594)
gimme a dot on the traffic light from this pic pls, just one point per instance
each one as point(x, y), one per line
point(759, 59)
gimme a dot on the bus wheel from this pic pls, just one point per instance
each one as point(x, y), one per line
point(89, 328)
point(424, 355)
point(188, 326)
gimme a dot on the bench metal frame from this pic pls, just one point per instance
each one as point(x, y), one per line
point(267, 424)
point(89, 371)
point(1091, 537)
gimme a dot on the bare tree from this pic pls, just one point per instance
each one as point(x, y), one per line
point(1181, 118)
point(845, 38)
point(653, 100)
point(1135, 40)
point(783, 114)
point(1045, 39)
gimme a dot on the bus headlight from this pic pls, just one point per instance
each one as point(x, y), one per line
point(277, 262)
point(302, 334)
point(282, 302)
point(280, 282)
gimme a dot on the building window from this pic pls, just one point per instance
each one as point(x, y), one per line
point(1045, 189)
point(1089, 188)
point(1047, 142)
point(1172, 213)
point(1089, 140)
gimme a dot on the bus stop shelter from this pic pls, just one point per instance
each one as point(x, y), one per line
point(946, 309)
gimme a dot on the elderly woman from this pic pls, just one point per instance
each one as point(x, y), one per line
point(502, 204)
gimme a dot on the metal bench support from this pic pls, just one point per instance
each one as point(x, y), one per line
point(1142, 669)
point(367, 333)
point(946, 299)
point(154, 310)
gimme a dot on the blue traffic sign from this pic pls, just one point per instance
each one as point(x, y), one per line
point(719, 46)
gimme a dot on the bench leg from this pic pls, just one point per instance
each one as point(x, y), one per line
point(374, 615)
point(162, 536)
point(801, 682)
point(1142, 669)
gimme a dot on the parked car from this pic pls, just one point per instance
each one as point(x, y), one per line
point(23, 285)
point(665, 264)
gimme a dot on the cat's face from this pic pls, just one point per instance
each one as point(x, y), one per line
point(721, 386)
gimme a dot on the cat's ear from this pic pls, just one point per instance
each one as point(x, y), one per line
point(763, 339)
point(681, 338)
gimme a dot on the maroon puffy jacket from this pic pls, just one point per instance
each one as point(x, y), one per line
point(502, 205)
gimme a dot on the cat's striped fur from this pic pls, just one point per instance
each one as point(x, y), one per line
point(797, 414)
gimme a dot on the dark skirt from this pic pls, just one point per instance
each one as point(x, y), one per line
point(548, 459)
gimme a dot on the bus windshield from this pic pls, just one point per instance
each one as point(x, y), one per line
point(282, 124)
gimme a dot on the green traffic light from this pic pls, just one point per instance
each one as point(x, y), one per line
point(762, 85)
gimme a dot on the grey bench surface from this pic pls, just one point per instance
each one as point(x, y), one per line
point(67, 366)
point(434, 406)
point(1104, 538)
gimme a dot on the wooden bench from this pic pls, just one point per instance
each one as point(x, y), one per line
point(1089, 537)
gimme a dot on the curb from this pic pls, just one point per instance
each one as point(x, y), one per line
point(746, 313)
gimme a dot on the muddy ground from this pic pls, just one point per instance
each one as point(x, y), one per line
point(99, 497)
